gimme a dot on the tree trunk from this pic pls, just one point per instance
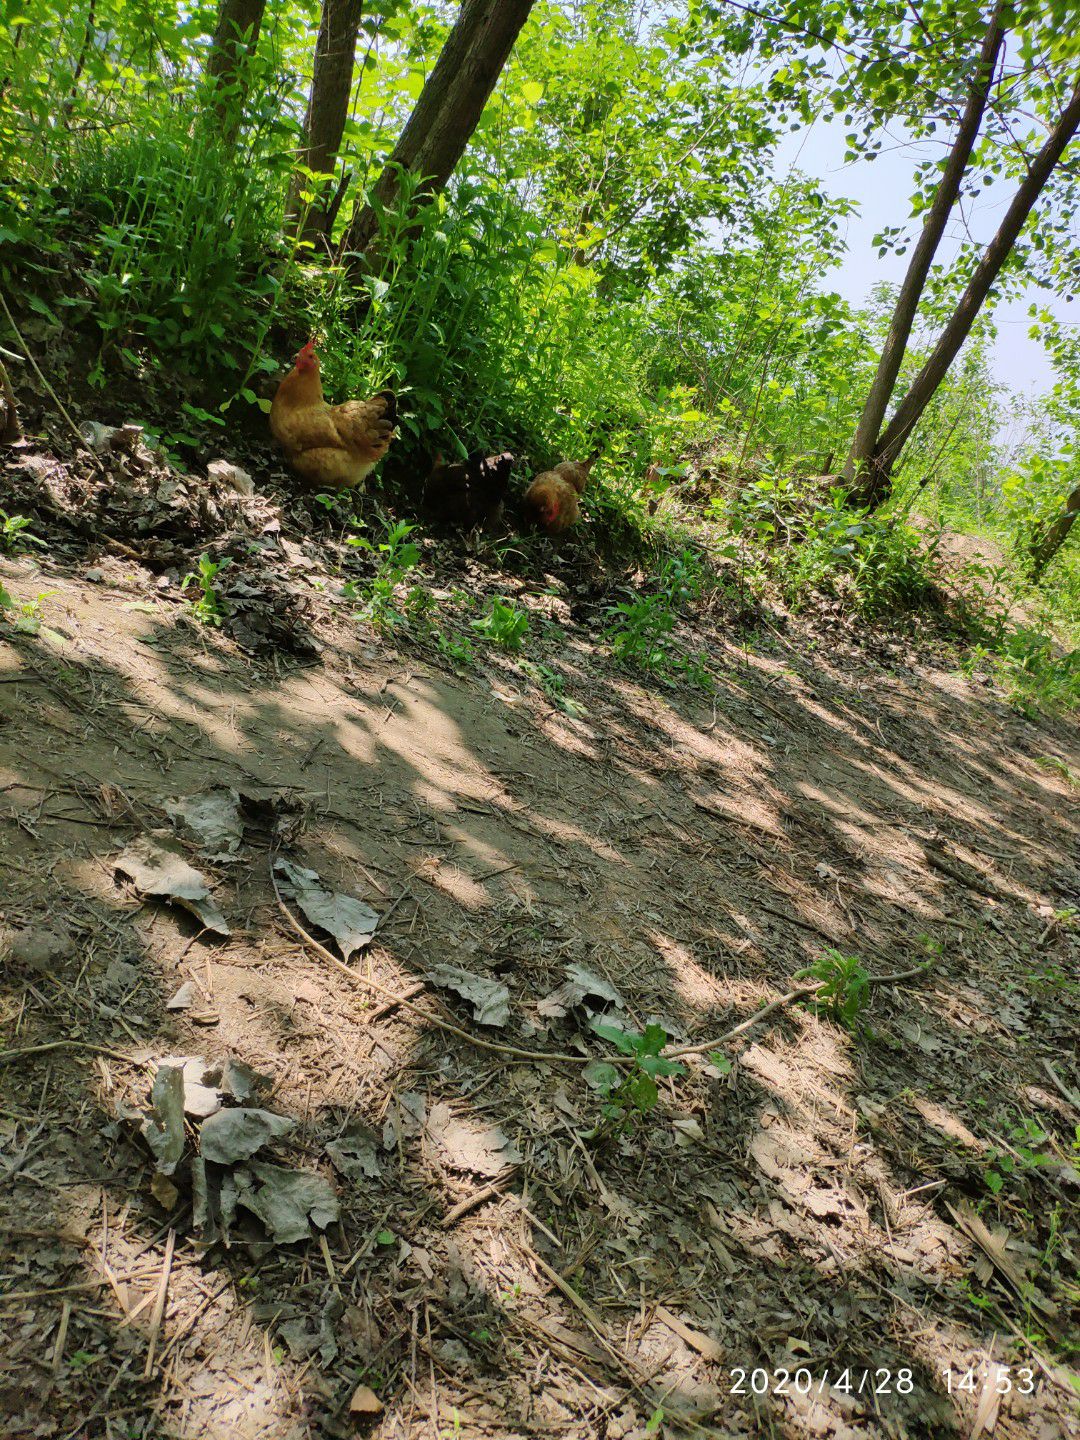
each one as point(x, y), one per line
point(907, 302)
point(328, 105)
point(10, 429)
point(233, 46)
point(923, 387)
point(1051, 537)
point(449, 107)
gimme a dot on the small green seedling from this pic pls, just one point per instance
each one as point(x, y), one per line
point(395, 556)
point(554, 687)
point(457, 649)
point(504, 625)
point(15, 532)
point(845, 987)
point(209, 608)
point(1025, 1153)
point(25, 617)
point(638, 630)
point(629, 1094)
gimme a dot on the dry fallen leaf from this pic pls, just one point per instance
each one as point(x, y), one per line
point(490, 999)
point(158, 870)
point(365, 1402)
point(348, 920)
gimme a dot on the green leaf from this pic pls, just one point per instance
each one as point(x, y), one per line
point(601, 1076)
point(619, 1038)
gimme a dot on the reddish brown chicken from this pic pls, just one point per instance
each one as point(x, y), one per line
point(551, 501)
point(331, 447)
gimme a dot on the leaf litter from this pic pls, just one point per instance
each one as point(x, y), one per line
point(160, 871)
point(351, 922)
point(490, 999)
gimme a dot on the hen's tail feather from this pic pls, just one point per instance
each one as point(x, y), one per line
point(389, 400)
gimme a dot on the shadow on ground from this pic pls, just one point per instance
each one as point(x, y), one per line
point(787, 1244)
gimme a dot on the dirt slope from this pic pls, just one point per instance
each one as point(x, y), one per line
point(808, 1212)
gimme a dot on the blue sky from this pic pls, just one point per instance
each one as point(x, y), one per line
point(882, 189)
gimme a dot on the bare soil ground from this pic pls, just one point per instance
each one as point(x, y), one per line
point(802, 1242)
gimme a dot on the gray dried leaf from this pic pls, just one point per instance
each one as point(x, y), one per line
point(474, 1149)
point(161, 871)
point(581, 984)
point(163, 1128)
point(354, 1156)
point(202, 1207)
point(348, 920)
point(234, 476)
point(36, 948)
point(234, 1135)
point(183, 999)
point(96, 435)
point(202, 1087)
point(212, 819)
point(490, 999)
point(303, 1342)
point(404, 1120)
point(241, 1081)
point(286, 1201)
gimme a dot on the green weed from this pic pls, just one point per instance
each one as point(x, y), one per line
point(395, 556)
point(456, 649)
point(15, 532)
point(1051, 762)
point(209, 607)
point(554, 687)
point(845, 987)
point(627, 1095)
point(1026, 1151)
point(504, 625)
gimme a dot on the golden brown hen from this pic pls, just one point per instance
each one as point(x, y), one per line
point(331, 447)
point(551, 501)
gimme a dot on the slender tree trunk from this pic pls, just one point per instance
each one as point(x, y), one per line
point(80, 64)
point(1051, 537)
point(10, 429)
point(907, 302)
point(449, 107)
point(923, 387)
point(328, 105)
point(233, 46)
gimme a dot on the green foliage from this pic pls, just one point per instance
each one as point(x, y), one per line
point(614, 262)
point(15, 532)
point(1025, 1149)
point(844, 991)
point(208, 607)
point(25, 617)
point(876, 562)
point(455, 649)
point(1034, 672)
point(629, 1093)
point(639, 631)
point(395, 556)
point(554, 687)
point(504, 625)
